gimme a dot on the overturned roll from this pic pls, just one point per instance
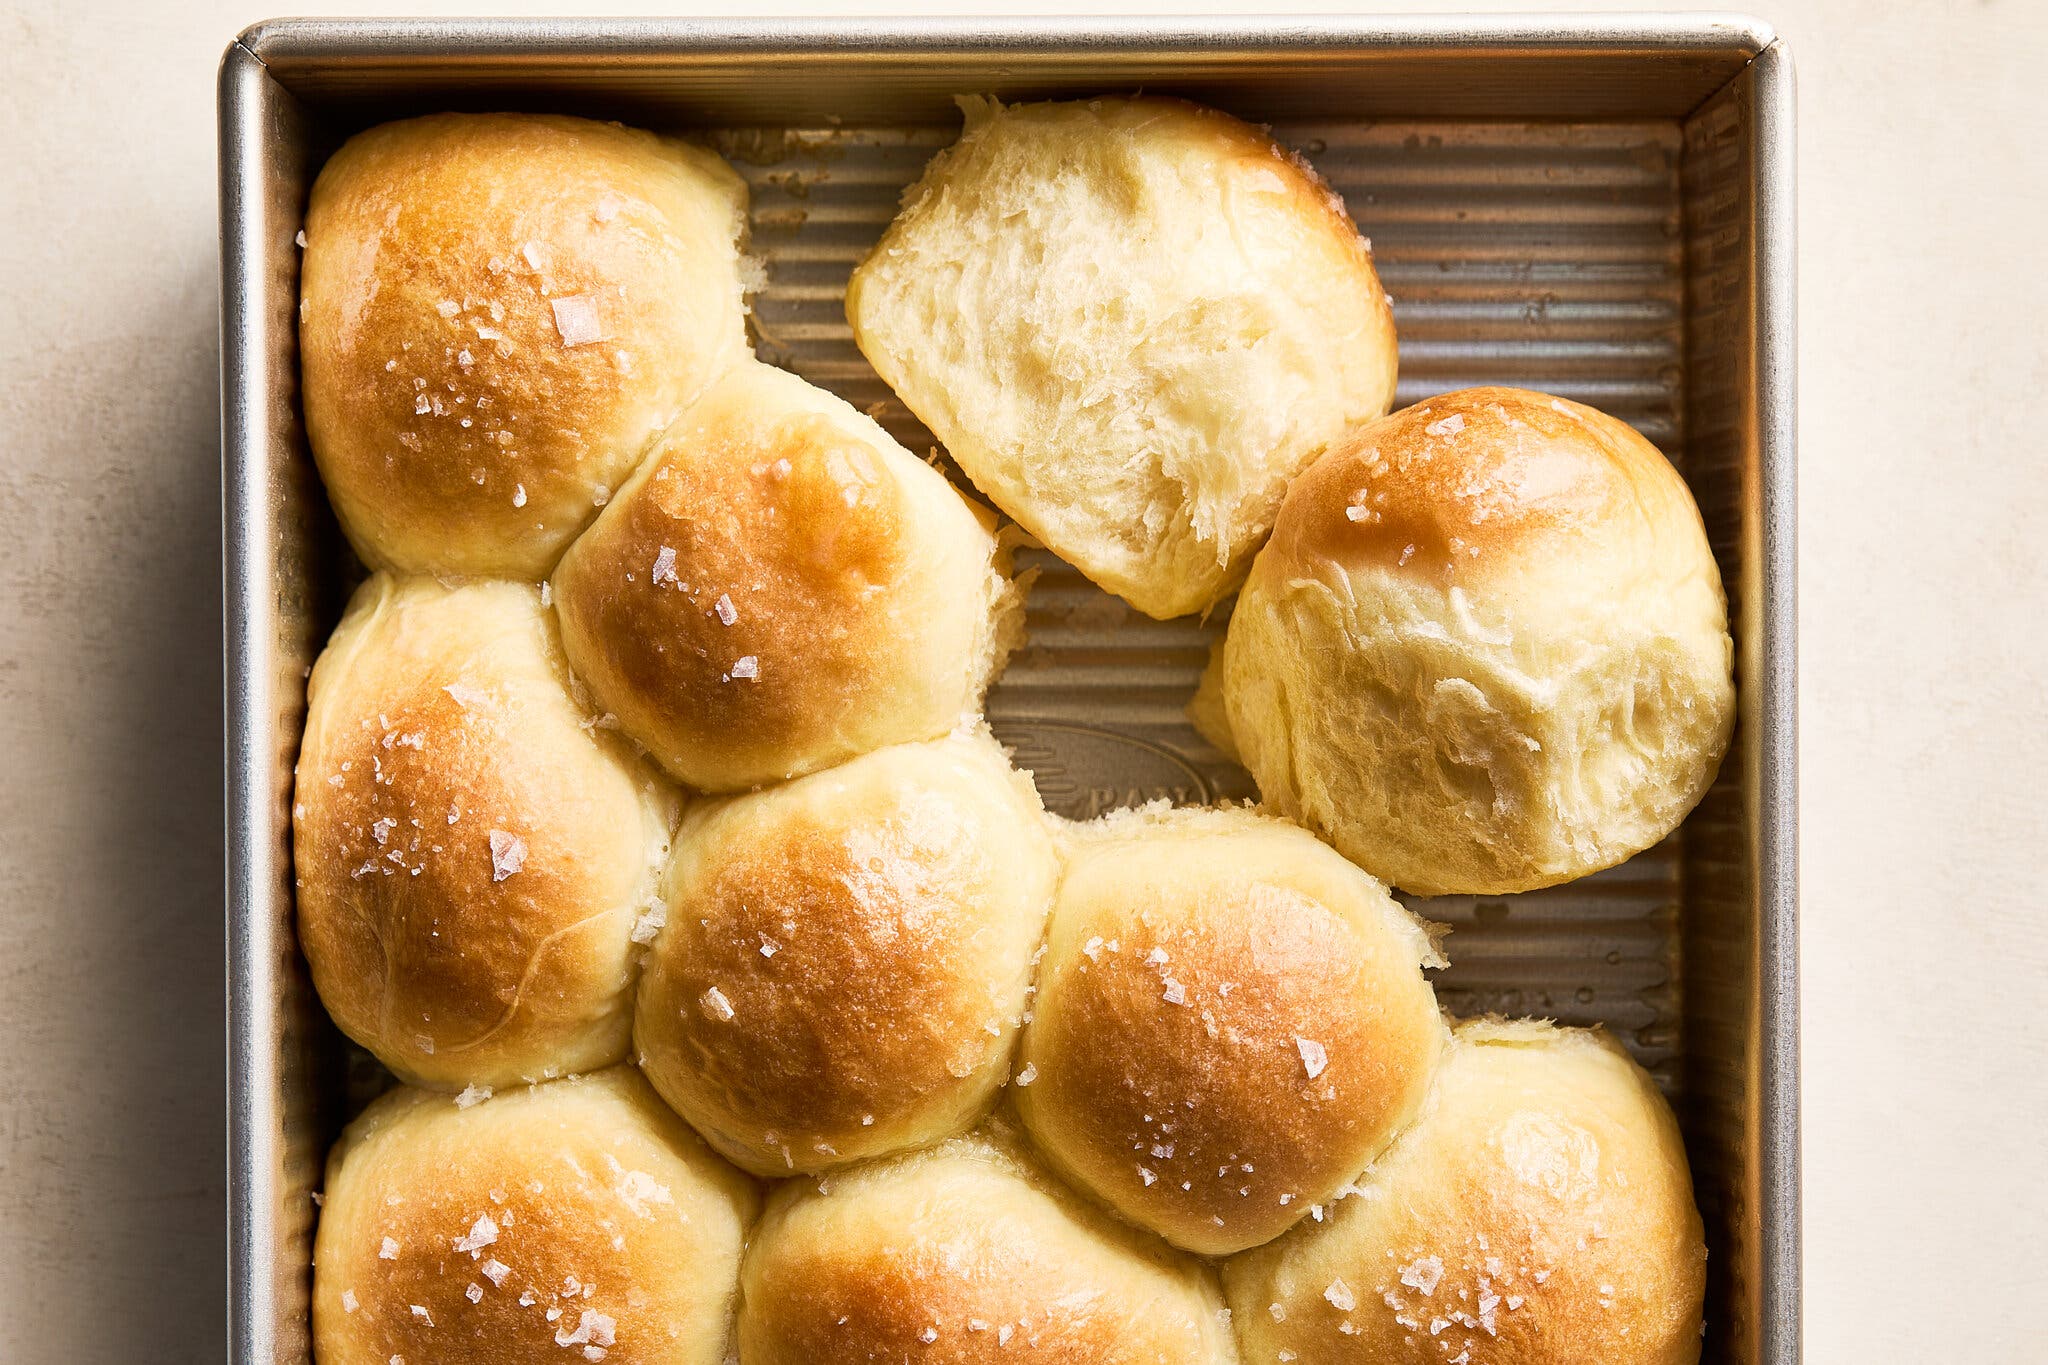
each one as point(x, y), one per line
point(1131, 321)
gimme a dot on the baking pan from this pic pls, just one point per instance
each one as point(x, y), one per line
point(1597, 206)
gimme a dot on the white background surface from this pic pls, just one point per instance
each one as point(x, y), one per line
point(1924, 637)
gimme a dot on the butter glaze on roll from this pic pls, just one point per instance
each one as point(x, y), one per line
point(1131, 321)
point(1231, 1023)
point(847, 956)
point(1486, 649)
point(1540, 1214)
point(570, 1222)
point(472, 852)
point(967, 1254)
point(781, 587)
point(500, 311)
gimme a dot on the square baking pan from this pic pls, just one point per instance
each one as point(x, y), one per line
point(1601, 207)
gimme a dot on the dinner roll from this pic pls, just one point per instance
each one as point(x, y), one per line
point(847, 956)
point(1540, 1214)
point(499, 312)
point(471, 852)
point(1131, 321)
point(1486, 649)
point(1231, 1023)
point(574, 1221)
point(780, 587)
point(961, 1254)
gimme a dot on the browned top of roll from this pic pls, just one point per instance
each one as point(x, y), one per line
point(781, 587)
point(534, 1227)
point(500, 311)
point(1474, 483)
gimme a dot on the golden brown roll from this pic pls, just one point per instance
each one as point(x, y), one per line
point(1231, 1023)
point(847, 956)
point(573, 1221)
point(1540, 1214)
point(499, 313)
point(961, 1254)
point(780, 587)
point(472, 853)
point(1131, 321)
point(1486, 649)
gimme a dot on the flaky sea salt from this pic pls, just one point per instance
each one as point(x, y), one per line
point(472, 1094)
point(1175, 993)
point(495, 1271)
point(1447, 426)
point(1028, 1074)
point(1423, 1274)
point(466, 696)
point(388, 1251)
point(724, 609)
point(598, 1329)
point(508, 854)
point(482, 1233)
point(349, 1302)
point(1340, 1296)
point(746, 666)
point(577, 319)
point(1314, 1058)
point(715, 1003)
point(664, 570)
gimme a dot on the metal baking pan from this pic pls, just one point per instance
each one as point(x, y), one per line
point(1597, 206)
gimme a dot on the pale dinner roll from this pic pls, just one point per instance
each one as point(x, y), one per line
point(847, 956)
point(574, 1221)
point(967, 1254)
point(1231, 1023)
point(1486, 649)
point(1540, 1214)
point(499, 313)
point(780, 587)
point(1131, 321)
point(471, 852)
